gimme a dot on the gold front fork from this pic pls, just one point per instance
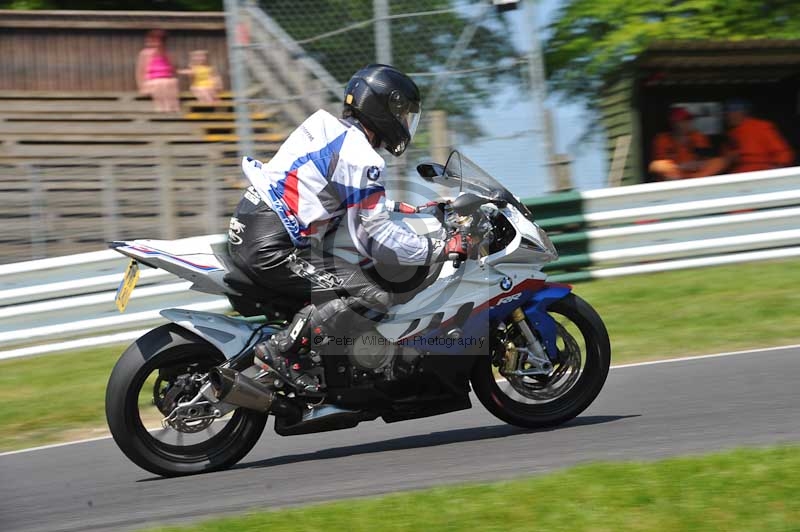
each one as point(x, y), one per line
point(517, 315)
point(511, 359)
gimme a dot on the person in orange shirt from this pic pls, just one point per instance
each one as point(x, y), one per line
point(683, 152)
point(753, 144)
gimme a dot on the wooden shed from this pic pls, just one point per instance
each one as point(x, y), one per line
point(700, 75)
point(74, 51)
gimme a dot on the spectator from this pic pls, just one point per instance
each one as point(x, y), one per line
point(205, 84)
point(155, 75)
point(683, 152)
point(753, 144)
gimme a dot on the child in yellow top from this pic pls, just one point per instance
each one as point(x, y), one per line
point(206, 84)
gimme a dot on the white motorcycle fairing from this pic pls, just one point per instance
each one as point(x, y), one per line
point(463, 301)
point(459, 305)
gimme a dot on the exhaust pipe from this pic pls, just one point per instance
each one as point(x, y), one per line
point(233, 387)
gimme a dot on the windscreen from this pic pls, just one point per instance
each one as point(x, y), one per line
point(464, 175)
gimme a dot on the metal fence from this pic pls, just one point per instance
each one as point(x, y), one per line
point(462, 55)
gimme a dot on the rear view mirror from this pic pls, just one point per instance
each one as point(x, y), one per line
point(438, 174)
point(429, 171)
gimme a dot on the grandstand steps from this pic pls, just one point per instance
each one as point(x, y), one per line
point(224, 116)
point(114, 125)
point(187, 96)
point(265, 137)
point(79, 169)
point(59, 105)
point(221, 106)
point(112, 138)
point(136, 148)
point(60, 127)
point(96, 95)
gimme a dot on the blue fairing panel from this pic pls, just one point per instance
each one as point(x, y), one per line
point(536, 311)
point(532, 297)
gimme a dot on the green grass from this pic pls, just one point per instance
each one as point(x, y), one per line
point(699, 311)
point(58, 397)
point(53, 398)
point(743, 490)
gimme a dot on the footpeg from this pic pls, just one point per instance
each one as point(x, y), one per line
point(293, 375)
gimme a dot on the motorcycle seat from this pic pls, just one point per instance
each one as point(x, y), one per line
point(251, 299)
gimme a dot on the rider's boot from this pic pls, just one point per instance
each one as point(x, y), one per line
point(281, 353)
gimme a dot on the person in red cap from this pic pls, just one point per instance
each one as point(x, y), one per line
point(683, 152)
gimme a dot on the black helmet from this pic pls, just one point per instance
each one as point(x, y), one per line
point(387, 102)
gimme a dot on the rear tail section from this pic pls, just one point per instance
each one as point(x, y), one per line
point(194, 259)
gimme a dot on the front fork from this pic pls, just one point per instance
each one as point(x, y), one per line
point(541, 352)
point(525, 361)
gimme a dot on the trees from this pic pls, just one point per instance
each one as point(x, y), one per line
point(590, 40)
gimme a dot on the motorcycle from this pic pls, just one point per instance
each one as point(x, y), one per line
point(534, 354)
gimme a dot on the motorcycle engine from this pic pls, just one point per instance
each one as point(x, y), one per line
point(372, 355)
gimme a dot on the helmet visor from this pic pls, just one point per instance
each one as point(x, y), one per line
point(405, 111)
point(411, 120)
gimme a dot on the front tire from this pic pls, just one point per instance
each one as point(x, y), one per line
point(533, 407)
point(170, 350)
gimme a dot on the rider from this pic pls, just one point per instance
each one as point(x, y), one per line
point(322, 194)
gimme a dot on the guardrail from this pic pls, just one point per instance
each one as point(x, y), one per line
point(659, 223)
point(68, 302)
point(71, 299)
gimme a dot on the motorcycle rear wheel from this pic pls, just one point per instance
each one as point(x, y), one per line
point(170, 349)
point(530, 407)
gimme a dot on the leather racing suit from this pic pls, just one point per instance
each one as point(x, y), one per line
point(319, 199)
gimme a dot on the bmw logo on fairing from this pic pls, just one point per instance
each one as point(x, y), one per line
point(506, 283)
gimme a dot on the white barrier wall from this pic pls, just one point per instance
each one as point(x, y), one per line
point(68, 302)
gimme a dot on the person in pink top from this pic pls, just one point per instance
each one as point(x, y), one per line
point(155, 75)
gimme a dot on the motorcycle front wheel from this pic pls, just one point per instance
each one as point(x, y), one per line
point(165, 367)
point(574, 382)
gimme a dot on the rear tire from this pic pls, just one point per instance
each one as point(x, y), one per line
point(171, 346)
point(592, 376)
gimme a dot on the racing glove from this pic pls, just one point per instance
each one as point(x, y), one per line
point(432, 207)
point(436, 208)
point(458, 247)
point(404, 208)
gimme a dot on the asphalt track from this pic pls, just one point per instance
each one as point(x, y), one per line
point(644, 412)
